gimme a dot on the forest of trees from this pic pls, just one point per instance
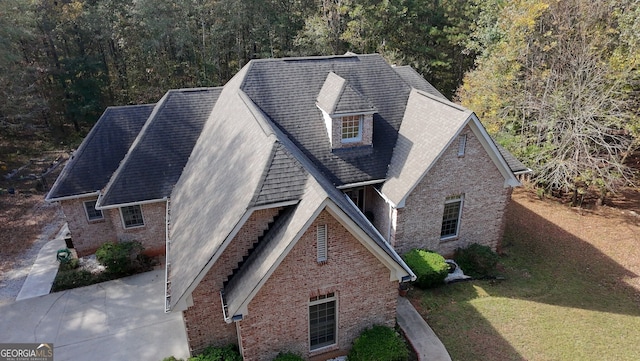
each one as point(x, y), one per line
point(555, 81)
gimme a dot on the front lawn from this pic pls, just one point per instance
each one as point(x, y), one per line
point(572, 290)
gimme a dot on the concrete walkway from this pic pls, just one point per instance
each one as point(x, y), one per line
point(122, 319)
point(424, 341)
point(45, 268)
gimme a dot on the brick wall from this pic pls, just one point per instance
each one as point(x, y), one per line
point(367, 133)
point(485, 199)
point(87, 235)
point(152, 235)
point(204, 320)
point(278, 316)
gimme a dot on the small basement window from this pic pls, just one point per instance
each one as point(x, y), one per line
point(91, 211)
point(132, 216)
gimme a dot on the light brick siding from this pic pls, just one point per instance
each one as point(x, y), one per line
point(87, 235)
point(152, 235)
point(204, 320)
point(485, 198)
point(278, 318)
point(367, 133)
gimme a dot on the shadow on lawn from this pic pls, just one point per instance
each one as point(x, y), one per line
point(543, 264)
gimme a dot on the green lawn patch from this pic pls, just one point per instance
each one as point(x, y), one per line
point(562, 299)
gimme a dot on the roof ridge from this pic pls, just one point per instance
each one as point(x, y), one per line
point(442, 101)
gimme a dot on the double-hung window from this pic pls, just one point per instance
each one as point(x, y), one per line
point(91, 211)
point(132, 216)
point(322, 321)
point(451, 217)
point(352, 128)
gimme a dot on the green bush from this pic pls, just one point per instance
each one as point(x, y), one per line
point(71, 264)
point(122, 258)
point(477, 261)
point(226, 353)
point(72, 278)
point(288, 356)
point(379, 343)
point(429, 267)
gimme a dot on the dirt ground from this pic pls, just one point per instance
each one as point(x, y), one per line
point(24, 214)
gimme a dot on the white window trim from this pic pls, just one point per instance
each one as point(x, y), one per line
point(462, 145)
point(136, 226)
point(86, 212)
point(454, 199)
point(322, 243)
point(356, 139)
point(318, 350)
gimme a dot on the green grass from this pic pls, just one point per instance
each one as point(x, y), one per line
point(561, 300)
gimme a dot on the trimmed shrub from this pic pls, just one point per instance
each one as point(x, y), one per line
point(477, 261)
point(288, 356)
point(68, 279)
point(122, 258)
point(69, 265)
point(226, 353)
point(429, 267)
point(379, 343)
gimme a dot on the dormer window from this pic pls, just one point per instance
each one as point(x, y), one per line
point(352, 128)
point(347, 113)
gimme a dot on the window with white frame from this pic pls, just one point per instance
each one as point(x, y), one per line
point(451, 217)
point(321, 240)
point(322, 321)
point(132, 216)
point(352, 128)
point(462, 144)
point(91, 211)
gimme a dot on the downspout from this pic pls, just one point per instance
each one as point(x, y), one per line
point(167, 284)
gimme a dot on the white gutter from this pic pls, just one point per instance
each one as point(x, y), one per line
point(76, 196)
point(129, 204)
point(361, 184)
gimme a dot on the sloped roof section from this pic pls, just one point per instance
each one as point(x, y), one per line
point(286, 90)
point(415, 80)
point(516, 166)
point(284, 180)
point(429, 125)
point(217, 187)
point(156, 159)
point(318, 195)
point(99, 155)
point(338, 97)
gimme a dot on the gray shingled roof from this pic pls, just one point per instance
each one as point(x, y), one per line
point(218, 185)
point(338, 97)
point(429, 125)
point(209, 201)
point(287, 90)
point(156, 159)
point(516, 166)
point(99, 155)
point(416, 80)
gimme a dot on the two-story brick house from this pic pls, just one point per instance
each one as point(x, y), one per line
point(285, 215)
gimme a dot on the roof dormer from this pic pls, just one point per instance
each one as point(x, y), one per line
point(347, 114)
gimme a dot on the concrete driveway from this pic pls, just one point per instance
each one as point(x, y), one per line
point(116, 320)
